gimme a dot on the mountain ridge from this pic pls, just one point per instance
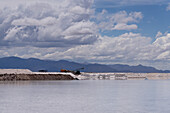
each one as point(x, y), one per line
point(35, 64)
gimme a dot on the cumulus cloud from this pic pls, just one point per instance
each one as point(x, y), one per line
point(127, 48)
point(162, 47)
point(63, 24)
point(69, 29)
point(42, 24)
point(123, 47)
point(118, 21)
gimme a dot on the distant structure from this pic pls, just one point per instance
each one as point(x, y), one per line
point(76, 71)
point(15, 71)
point(120, 77)
point(43, 70)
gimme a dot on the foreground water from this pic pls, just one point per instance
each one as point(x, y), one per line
point(89, 96)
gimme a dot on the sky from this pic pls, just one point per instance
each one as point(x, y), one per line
point(95, 31)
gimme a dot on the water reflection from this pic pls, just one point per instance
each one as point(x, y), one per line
point(104, 96)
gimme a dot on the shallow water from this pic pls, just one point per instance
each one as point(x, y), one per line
point(88, 96)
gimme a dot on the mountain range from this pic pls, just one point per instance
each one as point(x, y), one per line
point(54, 66)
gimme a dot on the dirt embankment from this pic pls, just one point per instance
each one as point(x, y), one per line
point(16, 77)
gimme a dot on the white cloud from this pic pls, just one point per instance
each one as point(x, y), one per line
point(35, 22)
point(123, 26)
point(164, 55)
point(163, 43)
point(69, 24)
point(118, 21)
point(128, 48)
point(45, 25)
point(158, 34)
point(65, 30)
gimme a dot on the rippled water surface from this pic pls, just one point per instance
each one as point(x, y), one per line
point(88, 96)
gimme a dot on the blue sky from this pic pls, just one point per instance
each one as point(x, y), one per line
point(121, 31)
point(156, 17)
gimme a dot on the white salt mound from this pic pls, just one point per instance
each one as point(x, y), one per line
point(15, 71)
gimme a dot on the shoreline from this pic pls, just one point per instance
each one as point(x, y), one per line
point(25, 75)
point(126, 76)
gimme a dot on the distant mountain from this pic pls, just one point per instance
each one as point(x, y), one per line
point(36, 64)
point(136, 69)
